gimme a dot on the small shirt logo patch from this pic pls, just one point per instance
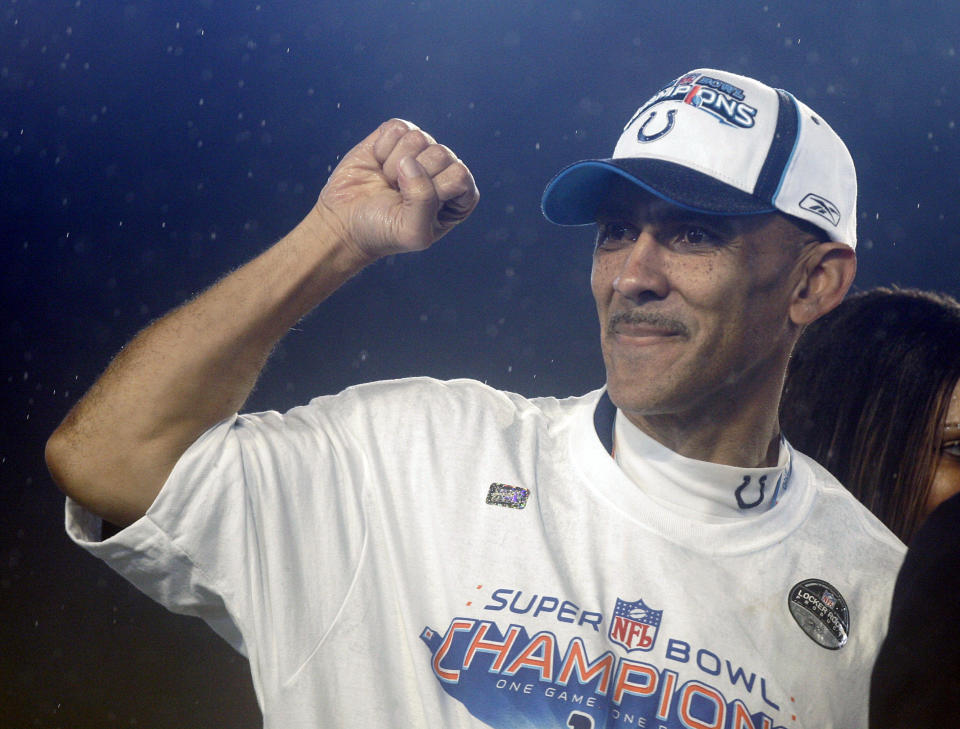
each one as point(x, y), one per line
point(822, 613)
point(513, 497)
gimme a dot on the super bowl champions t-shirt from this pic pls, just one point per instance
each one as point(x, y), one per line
point(419, 553)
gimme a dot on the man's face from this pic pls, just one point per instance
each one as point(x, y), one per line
point(694, 310)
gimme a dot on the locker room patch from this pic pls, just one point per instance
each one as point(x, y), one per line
point(821, 612)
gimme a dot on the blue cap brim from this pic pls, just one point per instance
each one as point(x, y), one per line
point(575, 195)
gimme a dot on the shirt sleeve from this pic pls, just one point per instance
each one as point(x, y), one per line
point(259, 531)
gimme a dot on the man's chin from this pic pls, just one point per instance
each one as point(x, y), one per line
point(637, 397)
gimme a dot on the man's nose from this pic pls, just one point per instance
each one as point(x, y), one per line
point(642, 270)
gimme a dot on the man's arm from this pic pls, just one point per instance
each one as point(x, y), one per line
point(396, 191)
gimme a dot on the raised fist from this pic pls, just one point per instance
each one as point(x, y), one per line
point(397, 191)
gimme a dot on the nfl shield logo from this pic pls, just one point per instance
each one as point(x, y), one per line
point(634, 625)
point(828, 599)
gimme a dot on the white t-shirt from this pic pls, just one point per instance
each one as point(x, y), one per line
point(367, 552)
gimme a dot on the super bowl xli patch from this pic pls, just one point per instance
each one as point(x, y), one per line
point(822, 613)
point(513, 497)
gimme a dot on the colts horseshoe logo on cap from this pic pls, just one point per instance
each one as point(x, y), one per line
point(822, 613)
point(642, 135)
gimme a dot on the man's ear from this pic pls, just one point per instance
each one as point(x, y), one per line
point(826, 273)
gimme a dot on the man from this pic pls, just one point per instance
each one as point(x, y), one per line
point(424, 553)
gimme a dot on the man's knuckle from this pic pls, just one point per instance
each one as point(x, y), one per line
point(462, 176)
point(416, 138)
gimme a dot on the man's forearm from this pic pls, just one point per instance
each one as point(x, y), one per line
point(189, 370)
point(394, 192)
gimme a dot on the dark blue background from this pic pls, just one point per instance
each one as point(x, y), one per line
point(148, 147)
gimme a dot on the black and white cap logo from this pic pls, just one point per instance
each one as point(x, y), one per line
point(821, 612)
point(822, 207)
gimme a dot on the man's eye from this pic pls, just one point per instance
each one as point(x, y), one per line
point(615, 234)
point(695, 236)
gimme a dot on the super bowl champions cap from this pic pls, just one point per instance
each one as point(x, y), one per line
point(723, 144)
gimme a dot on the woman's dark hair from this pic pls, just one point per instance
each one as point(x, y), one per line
point(867, 392)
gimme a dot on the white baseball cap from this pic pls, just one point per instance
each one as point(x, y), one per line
point(722, 144)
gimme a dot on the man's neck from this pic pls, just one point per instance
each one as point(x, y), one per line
point(750, 439)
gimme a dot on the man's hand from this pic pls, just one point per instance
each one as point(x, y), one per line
point(396, 191)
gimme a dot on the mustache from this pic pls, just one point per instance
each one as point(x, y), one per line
point(650, 318)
